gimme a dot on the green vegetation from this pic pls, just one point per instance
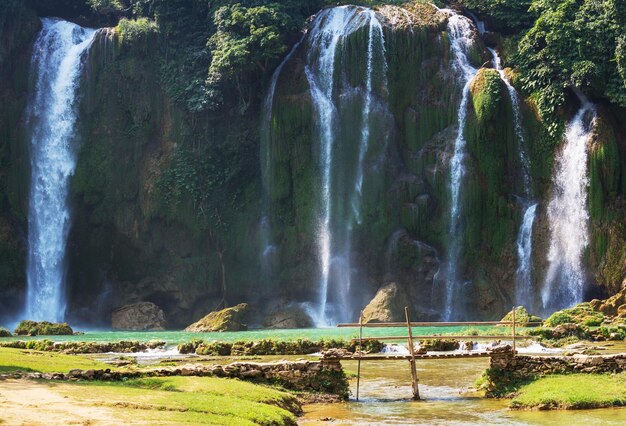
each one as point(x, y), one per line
point(136, 29)
point(573, 43)
point(4, 332)
point(274, 347)
point(521, 316)
point(505, 15)
point(43, 362)
point(183, 400)
point(42, 328)
point(84, 347)
point(572, 391)
point(582, 314)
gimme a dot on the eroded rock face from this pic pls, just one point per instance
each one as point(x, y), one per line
point(140, 316)
point(229, 319)
point(292, 317)
point(387, 306)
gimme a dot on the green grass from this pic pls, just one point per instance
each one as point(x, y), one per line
point(198, 400)
point(43, 362)
point(573, 391)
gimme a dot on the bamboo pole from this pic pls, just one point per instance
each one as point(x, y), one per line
point(358, 368)
point(436, 324)
point(440, 337)
point(414, 380)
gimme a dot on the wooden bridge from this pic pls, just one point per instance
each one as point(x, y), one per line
point(412, 356)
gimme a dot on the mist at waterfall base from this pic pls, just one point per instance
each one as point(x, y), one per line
point(56, 64)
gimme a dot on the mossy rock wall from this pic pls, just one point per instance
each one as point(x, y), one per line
point(607, 199)
point(18, 28)
point(136, 234)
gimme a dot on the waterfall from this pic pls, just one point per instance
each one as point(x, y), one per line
point(461, 40)
point(56, 63)
point(268, 247)
point(568, 216)
point(334, 228)
point(375, 44)
point(523, 275)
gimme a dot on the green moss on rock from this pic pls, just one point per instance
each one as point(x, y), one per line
point(521, 316)
point(43, 328)
point(229, 319)
point(582, 314)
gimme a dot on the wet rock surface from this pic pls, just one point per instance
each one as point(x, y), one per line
point(142, 316)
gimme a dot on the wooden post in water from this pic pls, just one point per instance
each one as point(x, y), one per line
point(359, 350)
point(414, 380)
point(513, 330)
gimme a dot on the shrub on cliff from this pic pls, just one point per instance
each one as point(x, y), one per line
point(43, 328)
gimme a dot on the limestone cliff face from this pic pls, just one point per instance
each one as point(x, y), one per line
point(167, 204)
point(18, 28)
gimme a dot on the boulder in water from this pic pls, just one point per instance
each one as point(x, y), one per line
point(387, 306)
point(229, 319)
point(43, 328)
point(142, 316)
point(292, 317)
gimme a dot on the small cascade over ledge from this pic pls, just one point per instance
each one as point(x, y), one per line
point(568, 214)
point(523, 274)
point(56, 64)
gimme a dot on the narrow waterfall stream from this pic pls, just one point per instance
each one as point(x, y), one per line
point(523, 274)
point(461, 33)
point(568, 215)
point(334, 231)
point(56, 64)
point(267, 245)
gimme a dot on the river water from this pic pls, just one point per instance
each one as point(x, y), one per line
point(447, 399)
point(385, 388)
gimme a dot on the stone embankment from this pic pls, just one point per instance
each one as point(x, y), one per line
point(309, 376)
point(506, 371)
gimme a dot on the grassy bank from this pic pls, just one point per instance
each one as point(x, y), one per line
point(12, 360)
point(572, 391)
point(198, 400)
point(192, 399)
point(188, 400)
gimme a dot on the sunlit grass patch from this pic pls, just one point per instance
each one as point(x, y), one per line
point(572, 391)
point(13, 360)
point(207, 400)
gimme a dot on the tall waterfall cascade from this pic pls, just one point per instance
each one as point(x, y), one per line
point(324, 72)
point(56, 64)
point(461, 33)
point(523, 274)
point(568, 215)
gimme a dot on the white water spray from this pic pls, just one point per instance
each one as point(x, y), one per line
point(568, 215)
point(57, 65)
point(461, 40)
